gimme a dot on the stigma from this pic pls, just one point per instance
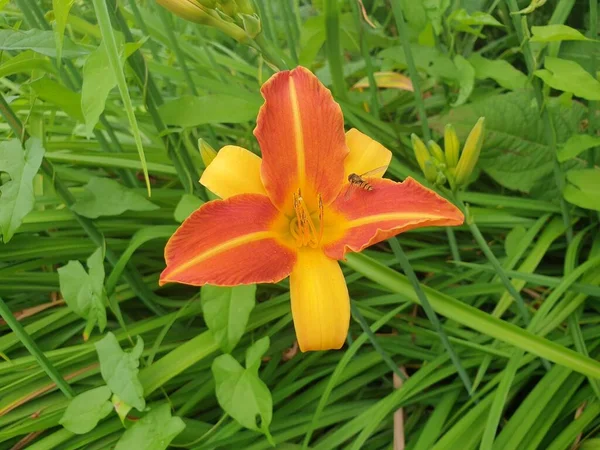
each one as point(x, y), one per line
point(302, 227)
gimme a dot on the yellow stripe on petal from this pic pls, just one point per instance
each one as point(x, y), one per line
point(366, 155)
point(234, 171)
point(320, 302)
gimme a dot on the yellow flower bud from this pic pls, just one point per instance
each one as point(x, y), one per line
point(191, 10)
point(207, 153)
point(437, 152)
point(470, 153)
point(205, 12)
point(421, 152)
point(451, 146)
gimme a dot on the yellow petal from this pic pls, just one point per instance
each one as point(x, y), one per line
point(234, 171)
point(320, 302)
point(366, 155)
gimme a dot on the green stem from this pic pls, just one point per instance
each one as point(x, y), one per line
point(453, 245)
point(268, 53)
point(431, 315)
point(487, 251)
point(412, 68)
point(333, 47)
point(35, 351)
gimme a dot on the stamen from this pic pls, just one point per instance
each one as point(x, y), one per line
point(302, 227)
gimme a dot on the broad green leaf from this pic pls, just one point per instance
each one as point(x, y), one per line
point(84, 291)
point(515, 151)
point(255, 352)
point(86, 410)
point(186, 206)
point(55, 93)
point(106, 197)
point(188, 111)
point(154, 431)
point(39, 41)
point(25, 62)
point(120, 407)
point(568, 76)
point(98, 80)
point(226, 312)
point(576, 144)
point(461, 20)
point(61, 10)
point(240, 392)
point(499, 70)
point(466, 79)
point(583, 188)
point(16, 196)
point(583, 53)
point(556, 32)
point(513, 240)
point(119, 370)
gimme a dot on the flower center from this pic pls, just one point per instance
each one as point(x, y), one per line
point(302, 227)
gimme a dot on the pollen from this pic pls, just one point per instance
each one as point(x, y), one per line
point(302, 227)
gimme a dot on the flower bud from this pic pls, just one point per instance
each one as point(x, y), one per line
point(207, 153)
point(251, 24)
point(470, 153)
point(451, 146)
point(193, 10)
point(212, 13)
point(421, 152)
point(437, 152)
point(430, 170)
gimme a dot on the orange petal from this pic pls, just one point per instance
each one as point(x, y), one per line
point(391, 80)
point(364, 218)
point(366, 155)
point(300, 129)
point(234, 171)
point(229, 242)
point(320, 302)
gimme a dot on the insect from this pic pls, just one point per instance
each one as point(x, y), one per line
point(359, 181)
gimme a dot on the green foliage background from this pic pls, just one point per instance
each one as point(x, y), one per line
point(105, 101)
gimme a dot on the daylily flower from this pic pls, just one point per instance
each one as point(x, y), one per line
point(291, 212)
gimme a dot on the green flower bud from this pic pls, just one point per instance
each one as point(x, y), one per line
point(470, 153)
point(430, 170)
point(207, 153)
point(207, 12)
point(437, 152)
point(421, 152)
point(451, 146)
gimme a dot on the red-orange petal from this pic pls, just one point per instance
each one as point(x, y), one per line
point(300, 129)
point(227, 243)
point(364, 217)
